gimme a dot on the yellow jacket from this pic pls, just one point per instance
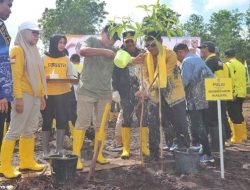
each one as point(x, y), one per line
point(20, 81)
point(237, 72)
point(222, 73)
point(174, 91)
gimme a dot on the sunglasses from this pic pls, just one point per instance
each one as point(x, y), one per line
point(150, 45)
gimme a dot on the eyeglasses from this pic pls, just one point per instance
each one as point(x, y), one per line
point(150, 45)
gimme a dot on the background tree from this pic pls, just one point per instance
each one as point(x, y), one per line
point(159, 18)
point(225, 28)
point(247, 16)
point(72, 17)
point(195, 26)
point(162, 19)
point(247, 19)
point(227, 32)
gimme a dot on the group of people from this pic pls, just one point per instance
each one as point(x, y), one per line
point(24, 85)
point(180, 93)
point(151, 85)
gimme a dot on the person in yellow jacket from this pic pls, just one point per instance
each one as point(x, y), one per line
point(160, 71)
point(57, 66)
point(29, 86)
point(237, 73)
point(220, 70)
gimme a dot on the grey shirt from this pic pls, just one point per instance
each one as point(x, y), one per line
point(97, 73)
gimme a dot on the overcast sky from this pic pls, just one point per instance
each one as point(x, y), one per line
point(24, 10)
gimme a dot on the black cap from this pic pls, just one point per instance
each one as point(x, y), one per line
point(209, 45)
point(152, 35)
point(106, 30)
point(128, 35)
point(180, 46)
point(230, 52)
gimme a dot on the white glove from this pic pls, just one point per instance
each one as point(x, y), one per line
point(116, 97)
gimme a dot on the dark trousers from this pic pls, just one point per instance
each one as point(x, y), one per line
point(131, 107)
point(176, 117)
point(128, 108)
point(2, 120)
point(198, 129)
point(235, 110)
point(56, 106)
point(72, 106)
point(211, 118)
point(228, 131)
point(153, 126)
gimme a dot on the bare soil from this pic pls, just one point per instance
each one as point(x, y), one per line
point(157, 175)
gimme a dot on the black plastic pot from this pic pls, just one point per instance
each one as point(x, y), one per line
point(186, 161)
point(63, 168)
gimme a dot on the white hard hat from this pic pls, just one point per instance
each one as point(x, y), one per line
point(29, 25)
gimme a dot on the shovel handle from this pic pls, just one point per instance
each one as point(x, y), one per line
point(93, 162)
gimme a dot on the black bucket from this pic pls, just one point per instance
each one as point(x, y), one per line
point(63, 168)
point(186, 161)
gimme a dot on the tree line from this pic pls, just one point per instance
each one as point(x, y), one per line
point(227, 29)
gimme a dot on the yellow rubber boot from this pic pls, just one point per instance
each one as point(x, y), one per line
point(100, 136)
point(71, 128)
point(126, 139)
point(144, 141)
point(26, 155)
point(244, 131)
point(78, 140)
point(236, 130)
point(6, 168)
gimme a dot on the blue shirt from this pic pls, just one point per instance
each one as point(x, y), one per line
point(192, 68)
point(6, 84)
point(194, 72)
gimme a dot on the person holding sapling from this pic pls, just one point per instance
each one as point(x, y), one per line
point(126, 84)
point(161, 73)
